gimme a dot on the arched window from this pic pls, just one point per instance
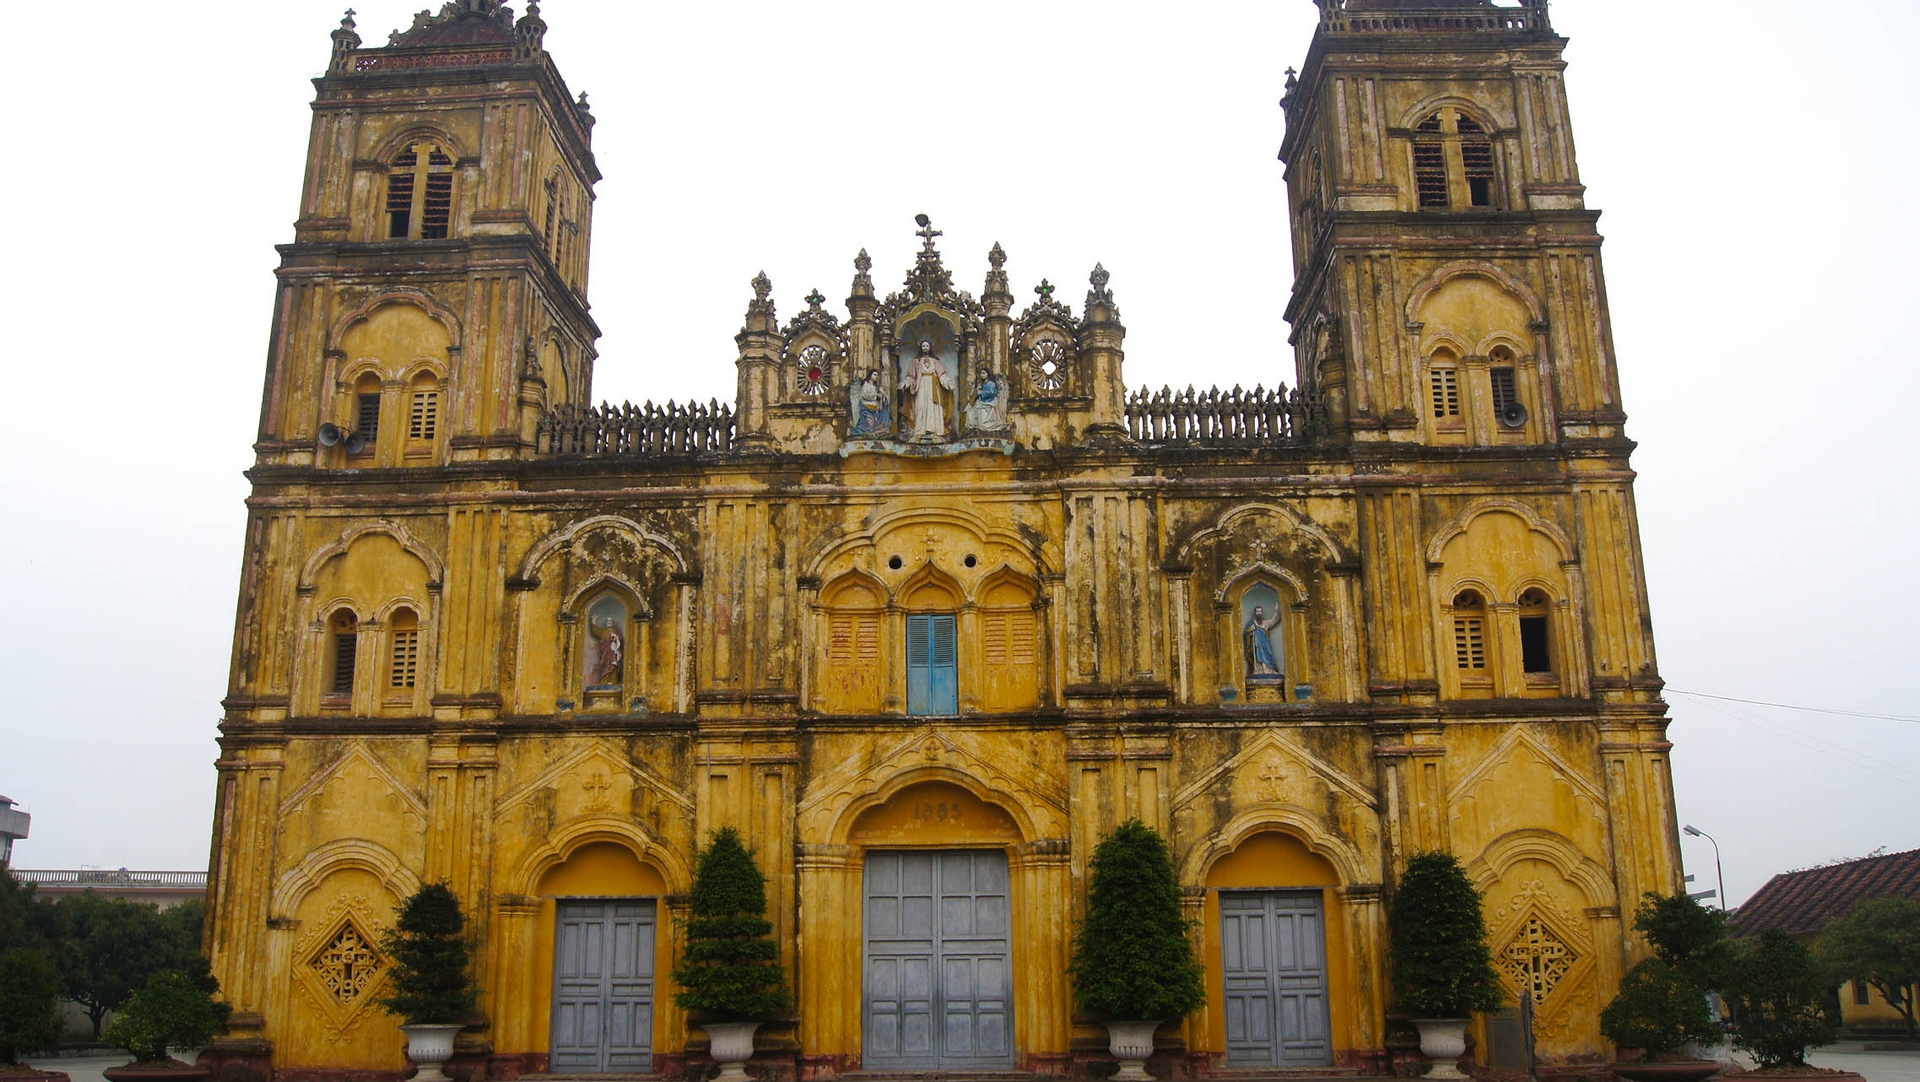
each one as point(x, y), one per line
point(1470, 633)
point(604, 645)
point(366, 415)
point(403, 653)
point(1443, 388)
point(423, 414)
point(1504, 387)
point(1452, 162)
point(343, 647)
point(1536, 634)
point(933, 650)
point(420, 193)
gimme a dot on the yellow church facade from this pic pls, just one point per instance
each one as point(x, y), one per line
point(934, 602)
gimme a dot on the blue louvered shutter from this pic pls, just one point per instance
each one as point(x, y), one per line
point(933, 680)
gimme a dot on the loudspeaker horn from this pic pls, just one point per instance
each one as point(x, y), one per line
point(1513, 415)
point(330, 434)
point(356, 443)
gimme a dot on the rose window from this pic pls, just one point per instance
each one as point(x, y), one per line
point(1047, 366)
point(813, 371)
point(347, 965)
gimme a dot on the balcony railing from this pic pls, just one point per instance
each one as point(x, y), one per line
point(634, 431)
point(1456, 21)
point(1219, 418)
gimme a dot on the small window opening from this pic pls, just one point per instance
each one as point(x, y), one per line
point(1536, 643)
point(1477, 157)
point(423, 420)
point(1504, 392)
point(1861, 996)
point(1430, 174)
point(366, 417)
point(420, 193)
point(346, 645)
point(403, 667)
point(1446, 392)
point(553, 206)
point(1469, 632)
point(400, 195)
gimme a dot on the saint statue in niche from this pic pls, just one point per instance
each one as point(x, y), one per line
point(988, 412)
point(930, 379)
point(1256, 635)
point(606, 647)
point(870, 413)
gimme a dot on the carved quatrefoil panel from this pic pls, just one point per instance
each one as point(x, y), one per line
point(1536, 958)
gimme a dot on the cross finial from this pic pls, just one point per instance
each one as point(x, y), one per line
point(1045, 288)
point(347, 21)
point(926, 231)
point(814, 299)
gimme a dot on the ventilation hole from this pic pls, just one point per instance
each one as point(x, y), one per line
point(970, 561)
point(894, 562)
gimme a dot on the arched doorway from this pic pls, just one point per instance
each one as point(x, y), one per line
point(1276, 956)
point(604, 935)
point(937, 914)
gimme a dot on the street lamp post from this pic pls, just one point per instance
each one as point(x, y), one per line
point(1717, 874)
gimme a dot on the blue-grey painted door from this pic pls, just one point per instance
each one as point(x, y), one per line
point(1273, 955)
point(938, 972)
point(933, 670)
point(603, 986)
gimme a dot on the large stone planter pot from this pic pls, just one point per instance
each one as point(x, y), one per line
point(731, 1046)
point(1443, 1041)
point(430, 1044)
point(1131, 1043)
point(1675, 1070)
point(168, 1071)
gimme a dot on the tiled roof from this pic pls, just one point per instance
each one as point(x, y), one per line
point(1803, 902)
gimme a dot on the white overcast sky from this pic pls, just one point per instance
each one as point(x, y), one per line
point(1755, 162)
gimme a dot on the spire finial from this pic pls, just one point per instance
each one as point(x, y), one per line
point(926, 231)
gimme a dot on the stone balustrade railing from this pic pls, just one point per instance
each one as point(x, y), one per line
point(1215, 417)
point(1459, 21)
point(637, 431)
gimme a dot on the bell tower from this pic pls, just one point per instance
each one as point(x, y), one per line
point(1448, 287)
point(434, 299)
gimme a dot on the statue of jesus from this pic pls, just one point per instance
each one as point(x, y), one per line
point(930, 378)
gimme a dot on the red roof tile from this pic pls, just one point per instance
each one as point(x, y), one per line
point(1803, 902)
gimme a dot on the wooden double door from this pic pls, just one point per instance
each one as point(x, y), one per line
point(938, 974)
point(603, 986)
point(1273, 955)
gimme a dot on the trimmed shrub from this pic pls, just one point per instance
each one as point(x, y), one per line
point(1442, 967)
point(1779, 1002)
point(1658, 1010)
point(173, 1010)
point(429, 950)
point(1133, 955)
point(29, 1002)
point(731, 970)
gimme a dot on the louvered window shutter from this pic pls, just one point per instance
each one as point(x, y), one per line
point(933, 685)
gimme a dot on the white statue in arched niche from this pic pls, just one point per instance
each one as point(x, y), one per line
point(931, 381)
point(606, 642)
point(1260, 640)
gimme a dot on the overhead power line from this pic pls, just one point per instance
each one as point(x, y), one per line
point(1789, 706)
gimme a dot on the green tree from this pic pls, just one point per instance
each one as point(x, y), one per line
point(25, 920)
point(731, 970)
point(429, 949)
point(1778, 1000)
point(1442, 966)
point(1879, 943)
point(1133, 955)
point(172, 1010)
point(1687, 936)
point(29, 1002)
point(107, 949)
point(1658, 1009)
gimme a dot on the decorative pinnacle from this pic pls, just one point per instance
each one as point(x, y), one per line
point(997, 257)
point(815, 300)
point(762, 285)
point(1099, 277)
point(863, 262)
point(346, 22)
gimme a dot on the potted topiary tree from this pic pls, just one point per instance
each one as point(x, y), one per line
point(173, 1010)
point(1779, 1004)
point(730, 976)
point(1133, 965)
point(1662, 1004)
point(29, 1009)
point(1442, 968)
point(431, 988)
